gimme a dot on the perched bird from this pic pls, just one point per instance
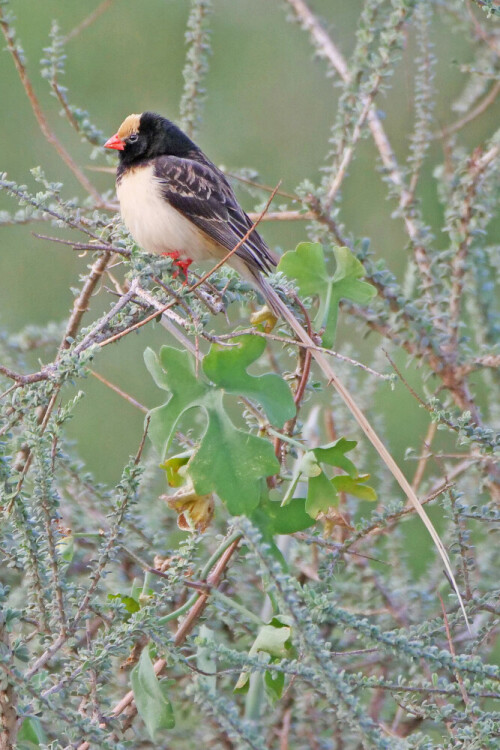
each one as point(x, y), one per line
point(174, 201)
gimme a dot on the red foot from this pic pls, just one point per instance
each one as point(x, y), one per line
point(175, 254)
point(182, 265)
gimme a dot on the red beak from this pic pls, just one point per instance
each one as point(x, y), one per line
point(115, 142)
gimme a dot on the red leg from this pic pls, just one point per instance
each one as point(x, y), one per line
point(183, 266)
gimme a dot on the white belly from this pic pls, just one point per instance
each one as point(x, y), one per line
point(154, 224)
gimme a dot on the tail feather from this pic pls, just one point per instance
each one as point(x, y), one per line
point(281, 310)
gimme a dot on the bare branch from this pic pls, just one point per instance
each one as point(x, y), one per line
point(40, 116)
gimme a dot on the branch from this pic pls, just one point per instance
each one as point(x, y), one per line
point(89, 20)
point(8, 698)
point(478, 163)
point(213, 579)
point(483, 105)
point(40, 116)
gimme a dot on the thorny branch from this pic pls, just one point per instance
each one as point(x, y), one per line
point(40, 115)
point(447, 363)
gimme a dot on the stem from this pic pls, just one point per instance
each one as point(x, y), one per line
point(40, 116)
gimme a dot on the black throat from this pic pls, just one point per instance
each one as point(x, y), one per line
point(157, 137)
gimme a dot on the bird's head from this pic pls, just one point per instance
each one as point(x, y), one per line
point(148, 135)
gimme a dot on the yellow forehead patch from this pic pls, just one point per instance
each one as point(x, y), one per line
point(129, 125)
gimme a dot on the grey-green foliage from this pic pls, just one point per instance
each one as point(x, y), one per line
point(94, 575)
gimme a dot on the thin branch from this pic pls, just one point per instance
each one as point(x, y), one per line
point(119, 391)
point(90, 338)
point(302, 344)
point(479, 162)
point(286, 216)
point(89, 20)
point(212, 580)
point(23, 379)
point(483, 105)
point(458, 676)
point(80, 305)
point(422, 463)
point(40, 116)
point(437, 489)
point(92, 247)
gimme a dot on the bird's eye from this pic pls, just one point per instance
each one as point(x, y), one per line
point(133, 138)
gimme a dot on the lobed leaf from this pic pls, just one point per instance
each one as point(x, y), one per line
point(227, 369)
point(306, 264)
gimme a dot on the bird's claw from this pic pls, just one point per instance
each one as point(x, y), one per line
point(182, 265)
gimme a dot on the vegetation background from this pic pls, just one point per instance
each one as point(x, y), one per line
point(270, 109)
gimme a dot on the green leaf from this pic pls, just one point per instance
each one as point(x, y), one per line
point(153, 706)
point(130, 604)
point(173, 468)
point(231, 462)
point(321, 492)
point(173, 371)
point(321, 495)
point(228, 461)
point(355, 486)
point(272, 639)
point(273, 518)
point(31, 734)
point(333, 454)
point(227, 369)
point(274, 683)
point(306, 264)
point(66, 547)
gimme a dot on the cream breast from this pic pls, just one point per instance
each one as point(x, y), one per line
point(154, 224)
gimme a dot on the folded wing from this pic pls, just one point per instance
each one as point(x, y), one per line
point(200, 191)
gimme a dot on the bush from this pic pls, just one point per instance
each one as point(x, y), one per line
point(264, 601)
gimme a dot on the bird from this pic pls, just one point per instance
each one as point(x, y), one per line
point(174, 201)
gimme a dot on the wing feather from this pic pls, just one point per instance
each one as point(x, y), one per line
point(200, 191)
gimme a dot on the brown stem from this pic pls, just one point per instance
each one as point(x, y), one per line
point(213, 579)
point(88, 20)
point(40, 116)
point(8, 698)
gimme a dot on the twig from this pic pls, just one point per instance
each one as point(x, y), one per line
point(488, 360)
point(285, 216)
point(437, 489)
point(172, 318)
point(8, 697)
point(302, 344)
point(80, 305)
point(458, 676)
point(89, 20)
point(185, 627)
point(138, 455)
point(261, 186)
point(421, 466)
point(26, 197)
point(478, 163)
point(121, 393)
point(40, 116)
point(34, 377)
point(483, 105)
point(92, 247)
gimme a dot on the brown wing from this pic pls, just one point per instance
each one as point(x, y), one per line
point(202, 194)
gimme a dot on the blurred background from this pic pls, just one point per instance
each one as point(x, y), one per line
point(269, 107)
